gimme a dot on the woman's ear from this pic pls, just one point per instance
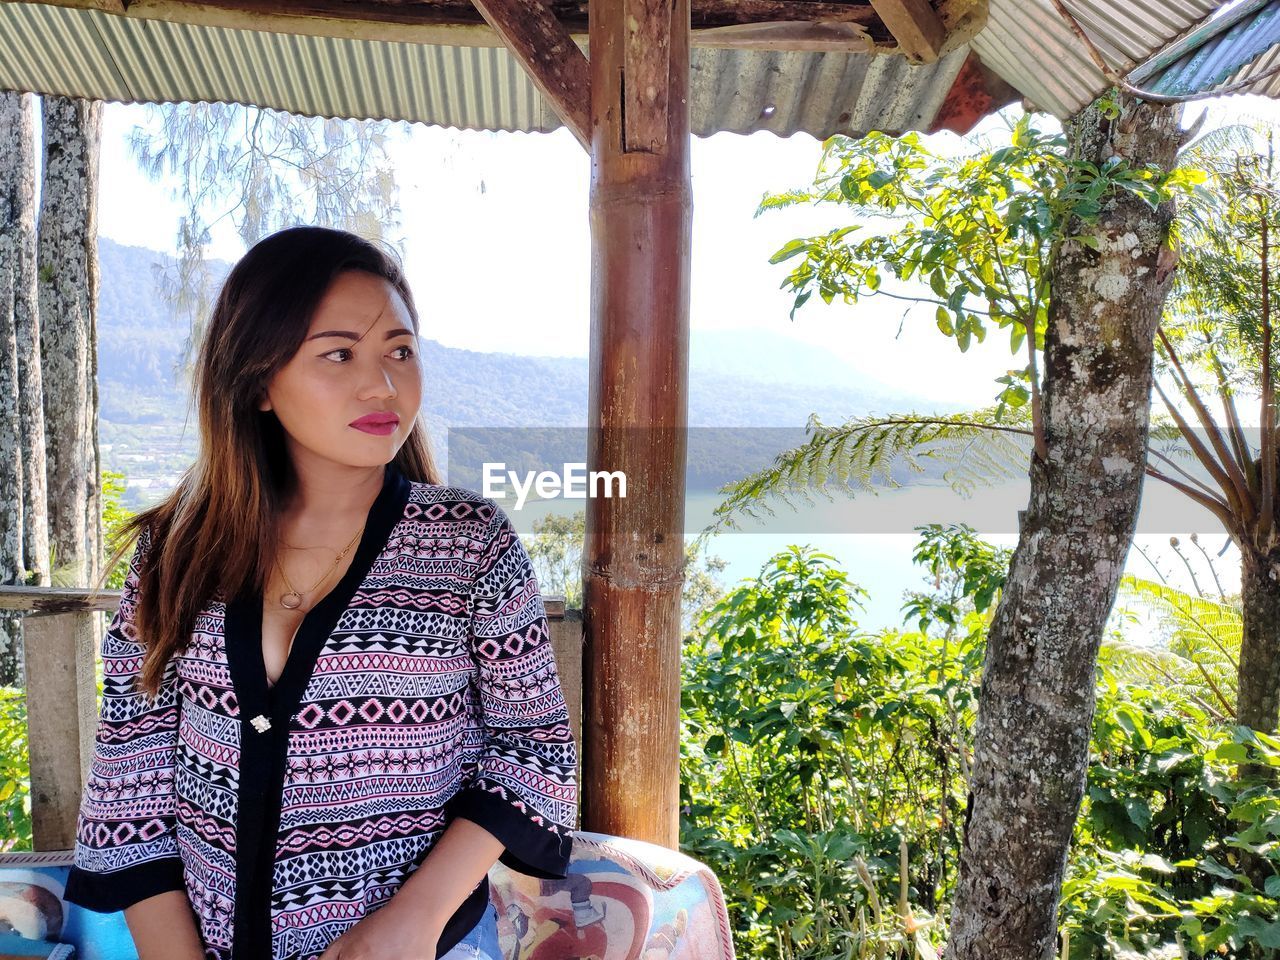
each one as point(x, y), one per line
point(264, 402)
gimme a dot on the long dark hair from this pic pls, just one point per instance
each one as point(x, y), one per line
point(216, 531)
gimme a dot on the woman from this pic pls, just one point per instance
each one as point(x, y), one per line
point(330, 702)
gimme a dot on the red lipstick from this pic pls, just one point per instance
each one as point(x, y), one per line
point(380, 423)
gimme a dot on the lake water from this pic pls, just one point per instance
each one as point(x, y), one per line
point(872, 536)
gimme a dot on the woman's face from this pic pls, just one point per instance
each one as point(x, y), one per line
point(360, 357)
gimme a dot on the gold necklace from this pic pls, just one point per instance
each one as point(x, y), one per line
point(293, 599)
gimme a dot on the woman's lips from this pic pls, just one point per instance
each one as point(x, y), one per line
point(381, 428)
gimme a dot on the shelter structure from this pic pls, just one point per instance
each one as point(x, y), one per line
point(631, 80)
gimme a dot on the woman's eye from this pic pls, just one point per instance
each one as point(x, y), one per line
point(347, 351)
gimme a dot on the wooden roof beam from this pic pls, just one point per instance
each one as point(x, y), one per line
point(835, 25)
point(555, 64)
point(915, 25)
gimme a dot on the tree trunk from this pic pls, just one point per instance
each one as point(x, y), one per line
point(23, 536)
point(1037, 694)
point(1258, 696)
point(68, 284)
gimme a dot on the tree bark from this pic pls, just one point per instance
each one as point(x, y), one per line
point(1258, 699)
point(23, 534)
point(68, 285)
point(1037, 695)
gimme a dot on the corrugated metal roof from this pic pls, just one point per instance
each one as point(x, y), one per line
point(1028, 40)
point(1241, 43)
point(52, 49)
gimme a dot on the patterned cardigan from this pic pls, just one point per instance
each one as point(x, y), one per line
point(420, 688)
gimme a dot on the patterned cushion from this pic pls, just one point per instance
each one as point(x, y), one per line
point(622, 899)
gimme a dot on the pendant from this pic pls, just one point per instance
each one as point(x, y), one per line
point(291, 600)
point(261, 723)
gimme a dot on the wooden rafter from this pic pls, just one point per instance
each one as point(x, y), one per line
point(915, 25)
point(835, 25)
point(548, 54)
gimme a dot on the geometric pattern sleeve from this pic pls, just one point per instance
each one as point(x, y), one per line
point(525, 789)
point(126, 849)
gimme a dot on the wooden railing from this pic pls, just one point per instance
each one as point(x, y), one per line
point(61, 636)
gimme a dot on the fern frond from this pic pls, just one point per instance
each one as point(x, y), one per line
point(788, 198)
point(861, 453)
point(1201, 641)
point(1195, 627)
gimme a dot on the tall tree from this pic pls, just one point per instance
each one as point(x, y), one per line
point(1218, 339)
point(262, 170)
point(23, 539)
point(68, 297)
point(21, 166)
point(1108, 281)
point(1064, 244)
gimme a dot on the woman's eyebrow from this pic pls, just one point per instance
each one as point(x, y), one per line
point(402, 332)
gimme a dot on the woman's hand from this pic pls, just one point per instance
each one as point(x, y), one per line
point(390, 933)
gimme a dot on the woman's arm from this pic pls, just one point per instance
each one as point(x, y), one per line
point(409, 926)
point(163, 927)
point(525, 788)
point(126, 848)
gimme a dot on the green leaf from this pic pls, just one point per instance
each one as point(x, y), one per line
point(880, 179)
point(944, 321)
point(790, 250)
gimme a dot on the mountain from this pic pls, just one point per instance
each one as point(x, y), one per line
point(748, 380)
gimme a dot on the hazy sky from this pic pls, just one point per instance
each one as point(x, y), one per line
point(497, 248)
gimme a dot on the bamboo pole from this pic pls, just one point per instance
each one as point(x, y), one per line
point(641, 218)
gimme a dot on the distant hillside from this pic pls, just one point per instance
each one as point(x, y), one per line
point(751, 379)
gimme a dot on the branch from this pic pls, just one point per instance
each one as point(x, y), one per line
point(1235, 429)
point(1203, 454)
point(1212, 504)
point(1229, 467)
point(1200, 484)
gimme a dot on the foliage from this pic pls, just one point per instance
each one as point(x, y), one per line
point(1198, 656)
point(1156, 857)
point(15, 783)
point(824, 776)
point(980, 230)
point(815, 758)
point(113, 517)
point(863, 452)
point(1222, 295)
point(556, 551)
point(971, 236)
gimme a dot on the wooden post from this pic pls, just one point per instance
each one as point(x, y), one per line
point(62, 715)
point(633, 561)
point(566, 642)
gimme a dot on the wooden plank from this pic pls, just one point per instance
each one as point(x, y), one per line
point(62, 716)
point(57, 599)
point(769, 24)
point(548, 54)
point(916, 26)
point(566, 643)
